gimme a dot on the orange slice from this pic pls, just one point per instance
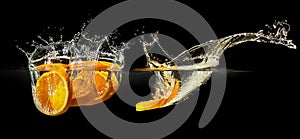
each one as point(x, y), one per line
point(91, 86)
point(158, 103)
point(105, 86)
point(83, 88)
point(51, 95)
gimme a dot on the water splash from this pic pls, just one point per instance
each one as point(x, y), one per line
point(203, 58)
point(185, 72)
point(80, 57)
point(81, 48)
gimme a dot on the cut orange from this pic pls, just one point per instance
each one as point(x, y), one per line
point(52, 95)
point(158, 103)
point(83, 88)
point(91, 86)
point(55, 91)
point(105, 86)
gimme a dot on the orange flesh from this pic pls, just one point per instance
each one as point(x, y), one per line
point(52, 92)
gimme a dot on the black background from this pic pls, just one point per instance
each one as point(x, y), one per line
point(260, 103)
